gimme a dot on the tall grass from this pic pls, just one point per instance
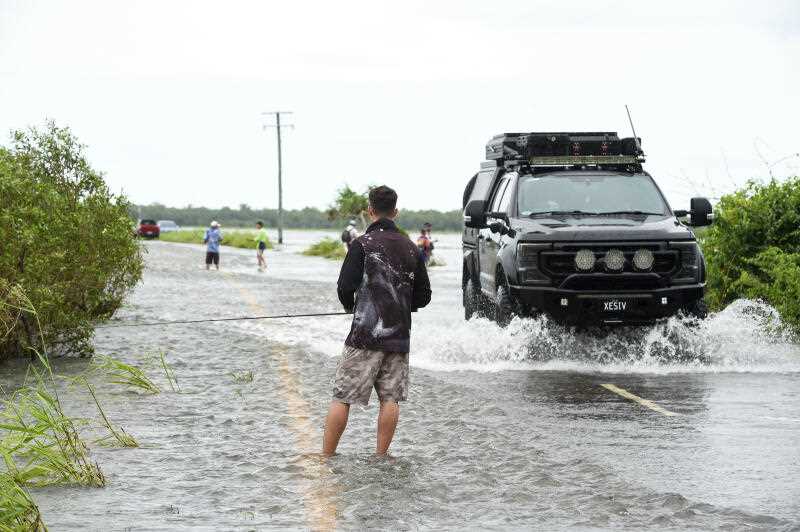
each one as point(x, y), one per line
point(40, 445)
point(173, 380)
point(18, 512)
point(327, 247)
point(118, 434)
point(238, 239)
point(125, 374)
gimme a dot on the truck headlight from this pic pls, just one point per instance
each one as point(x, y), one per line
point(614, 260)
point(584, 260)
point(528, 262)
point(643, 259)
point(689, 257)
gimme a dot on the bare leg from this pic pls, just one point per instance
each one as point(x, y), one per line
point(334, 426)
point(387, 422)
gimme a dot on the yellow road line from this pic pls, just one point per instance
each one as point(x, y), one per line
point(636, 399)
point(318, 491)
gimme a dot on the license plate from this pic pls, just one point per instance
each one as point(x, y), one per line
point(614, 305)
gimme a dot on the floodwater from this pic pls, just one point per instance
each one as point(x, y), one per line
point(504, 429)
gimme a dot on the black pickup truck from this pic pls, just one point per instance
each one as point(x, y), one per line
point(569, 224)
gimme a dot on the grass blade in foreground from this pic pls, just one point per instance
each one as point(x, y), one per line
point(124, 439)
point(18, 512)
point(126, 374)
point(173, 380)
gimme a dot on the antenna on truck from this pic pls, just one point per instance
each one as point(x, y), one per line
point(633, 129)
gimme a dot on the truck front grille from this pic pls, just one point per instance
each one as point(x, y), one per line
point(560, 262)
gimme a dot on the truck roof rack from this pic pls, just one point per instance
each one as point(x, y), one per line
point(566, 149)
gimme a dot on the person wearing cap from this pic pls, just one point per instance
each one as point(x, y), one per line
point(212, 240)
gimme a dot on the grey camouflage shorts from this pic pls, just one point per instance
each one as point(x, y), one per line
point(360, 370)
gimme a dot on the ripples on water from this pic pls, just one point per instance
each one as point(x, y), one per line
point(746, 336)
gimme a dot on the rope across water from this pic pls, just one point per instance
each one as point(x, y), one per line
point(209, 320)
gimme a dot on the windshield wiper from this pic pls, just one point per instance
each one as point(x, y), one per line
point(643, 213)
point(561, 213)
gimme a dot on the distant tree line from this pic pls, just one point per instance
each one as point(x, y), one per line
point(307, 218)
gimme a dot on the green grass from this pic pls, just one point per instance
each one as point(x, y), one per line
point(169, 373)
point(18, 512)
point(115, 433)
point(125, 374)
point(243, 377)
point(328, 248)
point(41, 445)
point(237, 239)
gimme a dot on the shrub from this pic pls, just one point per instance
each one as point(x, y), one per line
point(327, 247)
point(753, 248)
point(236, 239)
point(68, 243)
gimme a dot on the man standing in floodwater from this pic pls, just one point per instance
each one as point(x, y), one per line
point(212, 240)
point(382, 281)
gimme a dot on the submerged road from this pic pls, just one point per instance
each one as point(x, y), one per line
point(537, 427)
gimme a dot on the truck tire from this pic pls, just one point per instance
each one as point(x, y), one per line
point(472, 300)
point(698, 309)
point(503, 306)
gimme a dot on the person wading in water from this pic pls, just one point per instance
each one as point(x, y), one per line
point(382, 281)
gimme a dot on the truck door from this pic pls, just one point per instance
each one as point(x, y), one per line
point(479, 190)
point(489, 243)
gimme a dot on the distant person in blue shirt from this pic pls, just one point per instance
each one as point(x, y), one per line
point(212, 240)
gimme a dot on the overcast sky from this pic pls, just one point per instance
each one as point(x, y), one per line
point(168, 96)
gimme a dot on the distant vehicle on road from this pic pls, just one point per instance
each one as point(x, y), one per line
point(148, 229)
point(570, 225)
point(168, 226)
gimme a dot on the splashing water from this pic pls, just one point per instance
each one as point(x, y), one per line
point(745, 337)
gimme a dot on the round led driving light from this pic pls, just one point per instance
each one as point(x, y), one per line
point(584, 260)
point(643, 259)
point(615, 260)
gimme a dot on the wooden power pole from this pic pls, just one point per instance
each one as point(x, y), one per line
point(278, 127)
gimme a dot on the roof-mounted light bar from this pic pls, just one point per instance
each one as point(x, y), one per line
point(578, 160)
point(564, 148)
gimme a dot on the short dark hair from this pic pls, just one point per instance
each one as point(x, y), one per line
point(383, 200)
point(260, 223)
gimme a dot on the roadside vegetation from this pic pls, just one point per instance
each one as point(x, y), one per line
point(753, 248)
point(348, 205)
point(68, 244)
point(41, 444)
point(328, 248)
point(447, 219)
point(235, 239)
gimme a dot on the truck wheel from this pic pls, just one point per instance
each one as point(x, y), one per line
point(697, 309)
point(503, 306)
point(471, 301)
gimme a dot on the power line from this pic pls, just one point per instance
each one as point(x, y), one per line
point(278, 127)
point(241, 318)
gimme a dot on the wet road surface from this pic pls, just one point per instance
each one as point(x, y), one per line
point(699, 426)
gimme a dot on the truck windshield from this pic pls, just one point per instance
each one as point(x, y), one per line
point(589, 194)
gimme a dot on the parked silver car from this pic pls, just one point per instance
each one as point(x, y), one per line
point(168, 226)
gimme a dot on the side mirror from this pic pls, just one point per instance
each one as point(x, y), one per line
point(475, 214)
point(701, 212)
point(498, 227)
